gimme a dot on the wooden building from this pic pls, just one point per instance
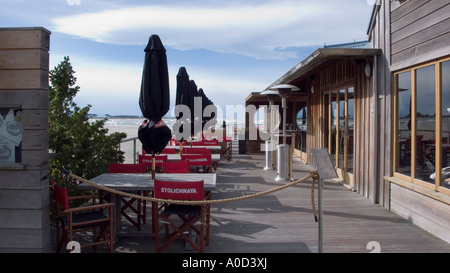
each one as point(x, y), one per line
point(383, 111)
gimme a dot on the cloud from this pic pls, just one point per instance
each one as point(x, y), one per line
point(114, 88)
point(262, 31)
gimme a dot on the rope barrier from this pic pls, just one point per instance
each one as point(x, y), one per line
point(313, 174)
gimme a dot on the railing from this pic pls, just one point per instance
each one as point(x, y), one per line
point(134, 146)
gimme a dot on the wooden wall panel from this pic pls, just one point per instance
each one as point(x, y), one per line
point(30, 179)
point(35, 139)
point(427, 34)
point(419, 27)
point(26, 99)
point(23, 199)
point(24, 79)
point(14, 38)
point(23, 241)
point(423, 48)
point(34, 119)
point(430, 214)
point(21, 219)
point(24, 59)
point(35, 158)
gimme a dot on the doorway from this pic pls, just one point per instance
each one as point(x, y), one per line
point(338, 130)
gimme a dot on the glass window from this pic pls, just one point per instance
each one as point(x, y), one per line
point(334, 120)
point(404, 123)
point(302, 125)
point(425, 122)
point(342, 129)
point(445, 123)
point(350, 127)
point(423, 125)
point(326, 121)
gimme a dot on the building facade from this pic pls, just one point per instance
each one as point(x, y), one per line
point(382, 111)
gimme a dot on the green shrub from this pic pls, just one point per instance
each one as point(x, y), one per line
point(83, 147)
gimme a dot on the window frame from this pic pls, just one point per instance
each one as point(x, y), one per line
point(412, 180)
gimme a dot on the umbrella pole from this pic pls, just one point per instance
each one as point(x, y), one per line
point(153, 166)
point(181, 147)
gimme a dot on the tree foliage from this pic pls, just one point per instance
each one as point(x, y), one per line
point(81, 146)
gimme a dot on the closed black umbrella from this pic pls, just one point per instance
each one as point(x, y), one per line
point(196, 116)
point(205, 103)
point(187, 93)
point(182, 98)
point(154, 98)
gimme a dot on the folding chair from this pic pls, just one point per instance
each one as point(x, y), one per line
point(140, 209)
point(226, 149)
point(213, 142)
point(196, 150)
point(89, 217)
point(181, 166)
point(188, 214)
point(199, 160)
point(169, 151)
point(174, 142)
point(147, 161)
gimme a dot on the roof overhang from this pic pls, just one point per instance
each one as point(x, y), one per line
point(313, 62)
point(321, 56)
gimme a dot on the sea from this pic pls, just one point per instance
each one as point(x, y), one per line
point(130, 125)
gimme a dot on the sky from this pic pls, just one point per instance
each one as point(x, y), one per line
point(229, 48)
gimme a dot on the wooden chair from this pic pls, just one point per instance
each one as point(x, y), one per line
point(85, 218)
point(226, 149)
point(181, 166)
point(189, 214)
point(213, 142)
point(147, 161)
point(169, 151)
point(197, 161)
point(196, 150)
point(174, 142)
point(129, 203)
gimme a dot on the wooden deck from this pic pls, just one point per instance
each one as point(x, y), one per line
point(283, 222)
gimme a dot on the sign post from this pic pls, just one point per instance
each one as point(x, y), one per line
point(326, 170)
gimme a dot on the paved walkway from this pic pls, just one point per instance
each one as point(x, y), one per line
point(283, 222)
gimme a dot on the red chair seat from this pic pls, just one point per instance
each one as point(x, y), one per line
point(189, 214)
point(181, 166)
